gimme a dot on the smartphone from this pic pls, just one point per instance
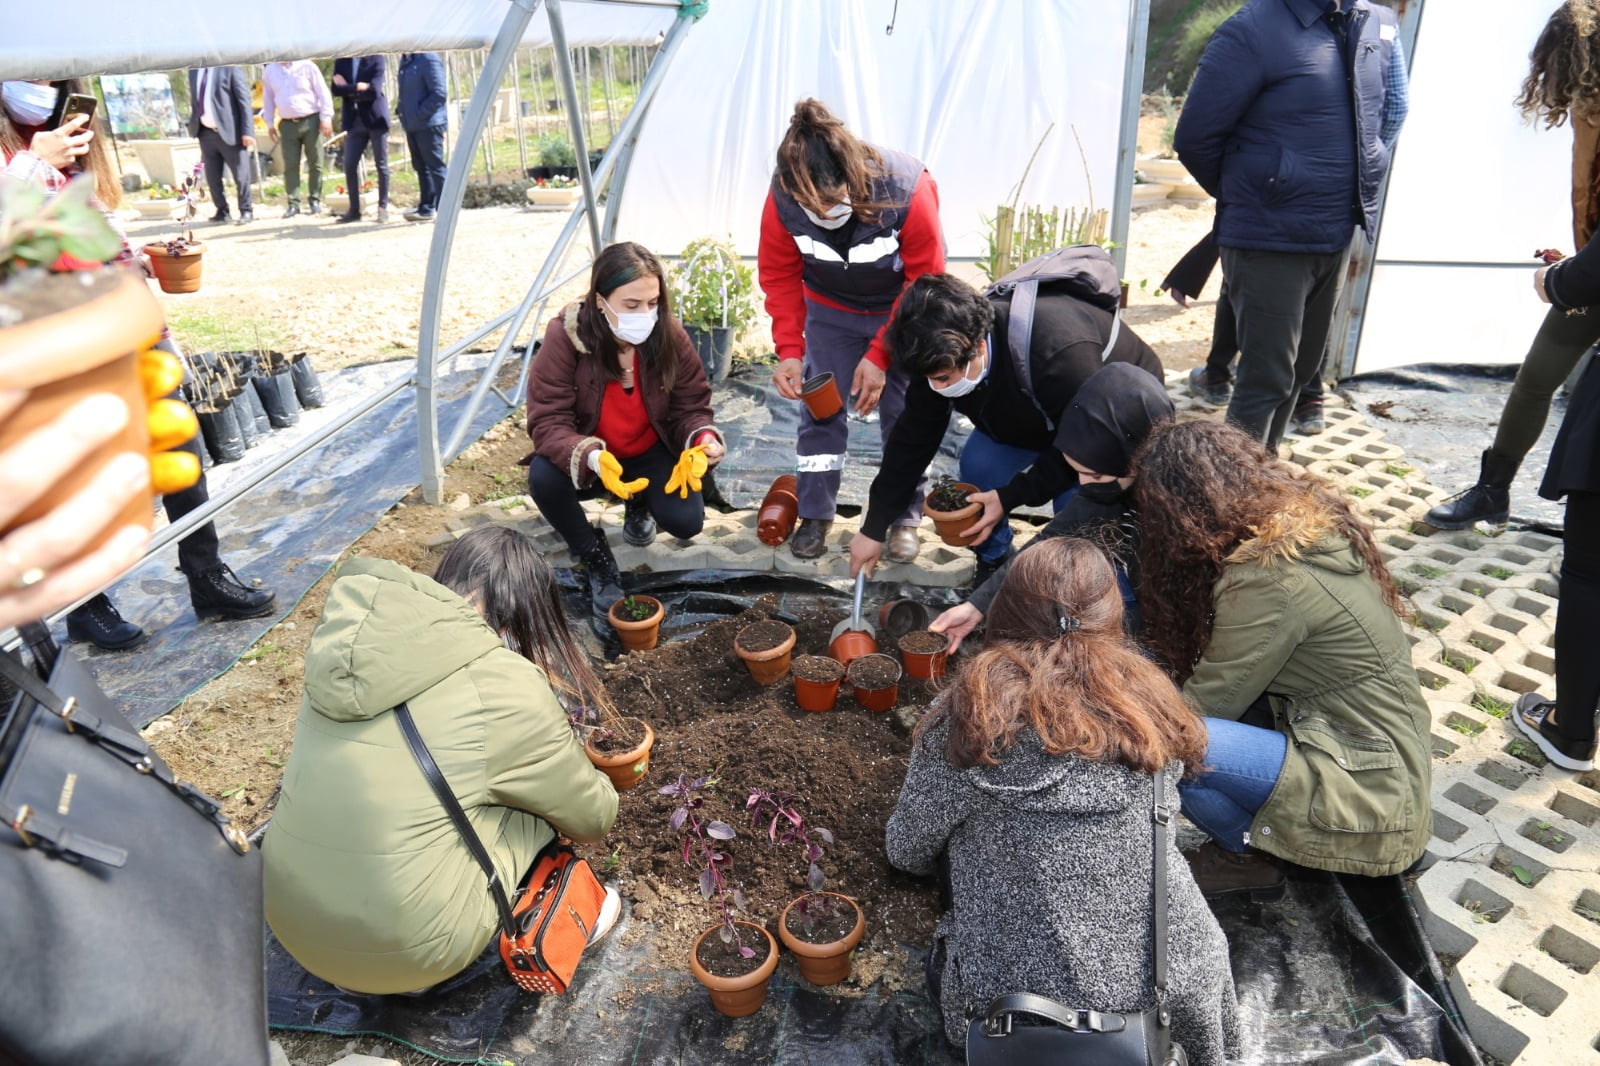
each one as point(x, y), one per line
point(69, 105)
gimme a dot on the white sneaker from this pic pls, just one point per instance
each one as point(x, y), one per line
point(610, 911)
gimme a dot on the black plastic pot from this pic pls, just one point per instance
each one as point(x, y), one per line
point(253, 424)
point(307, 386)
point(277, 396)
point(220, 427)
point(716, 350)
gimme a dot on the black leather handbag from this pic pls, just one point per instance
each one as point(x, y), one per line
point(1023, 1029)
point(130, 908)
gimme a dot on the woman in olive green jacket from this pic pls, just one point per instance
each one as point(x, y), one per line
point(1267, 599)
point(368, 884)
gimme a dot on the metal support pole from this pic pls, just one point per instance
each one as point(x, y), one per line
point(558, 37)
point(1128, 144)
point(518, 12)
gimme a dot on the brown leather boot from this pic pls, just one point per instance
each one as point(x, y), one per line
point(1221, 873)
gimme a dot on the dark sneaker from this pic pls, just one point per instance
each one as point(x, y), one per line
point(1532, 715)
point(314, 207)
point(1221, 873)
point(245, 219)
point(293, 210)
point(903, 544)
point(1208, 387)
point(420, 214)
point(638, 527)
point(97, 622)
point(347, 217)
point(221, 216)
point(1308, 420)
point(216, 591)
point(810, 540)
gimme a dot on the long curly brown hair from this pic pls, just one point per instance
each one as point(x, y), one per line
point(1204, 488)
point(1055, 661)
point(820, 162)
point(1564, 66)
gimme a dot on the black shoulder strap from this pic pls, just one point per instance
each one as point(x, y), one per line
point(452, 807)
point(1161, 815)
point(1019, 339)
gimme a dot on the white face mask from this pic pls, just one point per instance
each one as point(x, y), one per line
point(963, 384)
point(837, 215)
point(634, 327)
point(28, 104)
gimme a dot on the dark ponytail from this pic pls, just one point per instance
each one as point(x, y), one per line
point(820, 162)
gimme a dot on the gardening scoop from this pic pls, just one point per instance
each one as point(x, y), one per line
point(853, 638)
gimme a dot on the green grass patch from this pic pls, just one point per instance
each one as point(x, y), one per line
point(207, 331)
point(1489, 705)
point(1527, 751)
point(1430, 572)
point(1360, 491)
point(1500, 572)
point(1397, 469)
point(1457, 662)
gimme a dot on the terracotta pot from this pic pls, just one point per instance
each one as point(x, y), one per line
point(852, 644)
point(769, 665)
point(737, 997)
point(90, 346)
point(821, 395)
point(775, 520)
point(642, 635)
point(817, 696)
point(951, 523)
point(625, 768)
point(878, 700)
point(896, 618)
point(926, 666)
point(822, 964)
point(176, 273)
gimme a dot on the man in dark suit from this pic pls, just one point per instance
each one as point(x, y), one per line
point(423, 116)
point(223, 120)
point(364, 117)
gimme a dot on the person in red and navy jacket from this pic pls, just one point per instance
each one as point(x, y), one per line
point(846, 227)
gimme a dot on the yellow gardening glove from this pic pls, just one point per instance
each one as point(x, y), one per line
point(686, 475)
point(171, 423)
point(610, 471)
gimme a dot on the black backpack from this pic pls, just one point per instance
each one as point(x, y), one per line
point(1082, 271)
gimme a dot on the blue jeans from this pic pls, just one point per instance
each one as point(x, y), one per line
point(1242, 767)
point(988, 464)
point(427, 158)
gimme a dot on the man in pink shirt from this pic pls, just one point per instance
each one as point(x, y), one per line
point(298, 110)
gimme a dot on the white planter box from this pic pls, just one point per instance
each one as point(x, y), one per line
point(1150, 193)
point(1169, 171)
point(157, 208)
point(565, 197)
point(167, 162)
point(339, 202)
point(1188, 192)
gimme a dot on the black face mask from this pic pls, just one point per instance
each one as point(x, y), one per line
point(1105, 493)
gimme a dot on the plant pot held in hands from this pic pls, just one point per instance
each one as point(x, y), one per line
point(621, 750)
point(821, 396)
point(765, 647)
point(637, 620)
point(950, 510)
point(924, 654)
point(816, 682)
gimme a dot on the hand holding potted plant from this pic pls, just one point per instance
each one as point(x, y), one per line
point(820, 928)
point(713, 295)
point(619, 746)
point(176, 263)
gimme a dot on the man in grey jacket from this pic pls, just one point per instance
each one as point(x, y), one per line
point(224, 121)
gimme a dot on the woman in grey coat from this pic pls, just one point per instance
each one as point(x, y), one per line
point(1034, 773)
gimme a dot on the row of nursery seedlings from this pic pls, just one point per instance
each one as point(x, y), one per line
point(240, 397)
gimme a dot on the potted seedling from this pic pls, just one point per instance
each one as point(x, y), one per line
point(619, 746)
point(713, 295)
point(819, 928)
point(947, 505)
point(637, 620)
point(816, 682)
point(733, 959)
point(765, 647)
point(177, 262)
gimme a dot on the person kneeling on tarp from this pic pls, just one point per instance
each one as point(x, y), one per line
point(369, 885)
point(618, 401)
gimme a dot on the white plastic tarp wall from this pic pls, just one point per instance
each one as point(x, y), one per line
point(125, 36)
point(1473, 191)
point(968, 86)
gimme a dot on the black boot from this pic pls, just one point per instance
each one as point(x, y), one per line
point(605, 582)
point(1487, 501)
point(98, 623)
point(217, 591)
point(638, 527)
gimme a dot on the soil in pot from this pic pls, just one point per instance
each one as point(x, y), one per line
point(817, 668)
point(723, 960)
point(949, 495)
point(924, 653)
point(620, 749)
point(816, 682)
point(764, 636)
point(951, 513)
point(637, 620)
point(833, 923)
point(874, 672)
point(616, 737)
point(765, 648)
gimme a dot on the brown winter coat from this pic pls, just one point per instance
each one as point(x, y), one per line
point(1585, 176)
point(568, 383)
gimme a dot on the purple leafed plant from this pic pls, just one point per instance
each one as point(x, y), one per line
point(779, 814)
point(703, 839)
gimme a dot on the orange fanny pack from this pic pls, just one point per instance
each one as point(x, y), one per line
point(552, 921)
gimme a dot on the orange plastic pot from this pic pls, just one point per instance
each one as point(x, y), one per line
point(817, 696)
point(951, 523)
point(925, 666)
point(176, 273)
point(899, 617)
point(737, 997)
point(769, 665)
point(625, 768)
point(878, 700)
point(822, 964)
point(641, 635)
point(821, 396)
point(776, 518)
point(851, 645)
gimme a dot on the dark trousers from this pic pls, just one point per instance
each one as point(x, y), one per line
point(1560, 343)
point(558, 498)
point(1225, 348)
point(1578, 620)
point(427, 156)
point(299, 135)
point(216, 153)
point(1283, 306)
point(197, 551)
point(355, 146)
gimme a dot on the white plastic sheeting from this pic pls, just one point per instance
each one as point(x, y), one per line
point(1473, 191)
point(968, 86)
point(42, 40)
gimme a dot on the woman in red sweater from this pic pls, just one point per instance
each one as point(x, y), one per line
point(618, 401)
point(846, 227)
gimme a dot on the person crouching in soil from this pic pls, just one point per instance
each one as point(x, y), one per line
point(1033, 777)
point(618, 402)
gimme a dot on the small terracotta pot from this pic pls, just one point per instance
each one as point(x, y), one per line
point(822, 964)
point(925, 666)
point(642, 635)
point(176, 273)
point(775, 520)
point(817, 696)
point(737, 997)
point(64, 357)
point(625, 768)
point(852, 644)
point(822, 397)
point(878, 700)
point(769, 665)
point(951, 523)
point(896, 618)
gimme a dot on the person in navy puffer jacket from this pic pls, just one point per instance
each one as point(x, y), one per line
point(1287, 124)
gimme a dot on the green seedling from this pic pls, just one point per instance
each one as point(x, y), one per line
point(257, 652)
point(1522, 874)
point(1463, 726)
point(1527, 752)
point(1498, 572)
point(1427, 571)
point(1548, 835)
point(1360, 491)
point(1489, 705)
point(1457, 662)
point(613, 862)
point(1482, 643)
point(1397, 469)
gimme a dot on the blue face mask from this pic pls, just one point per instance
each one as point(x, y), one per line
point(27, 103)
